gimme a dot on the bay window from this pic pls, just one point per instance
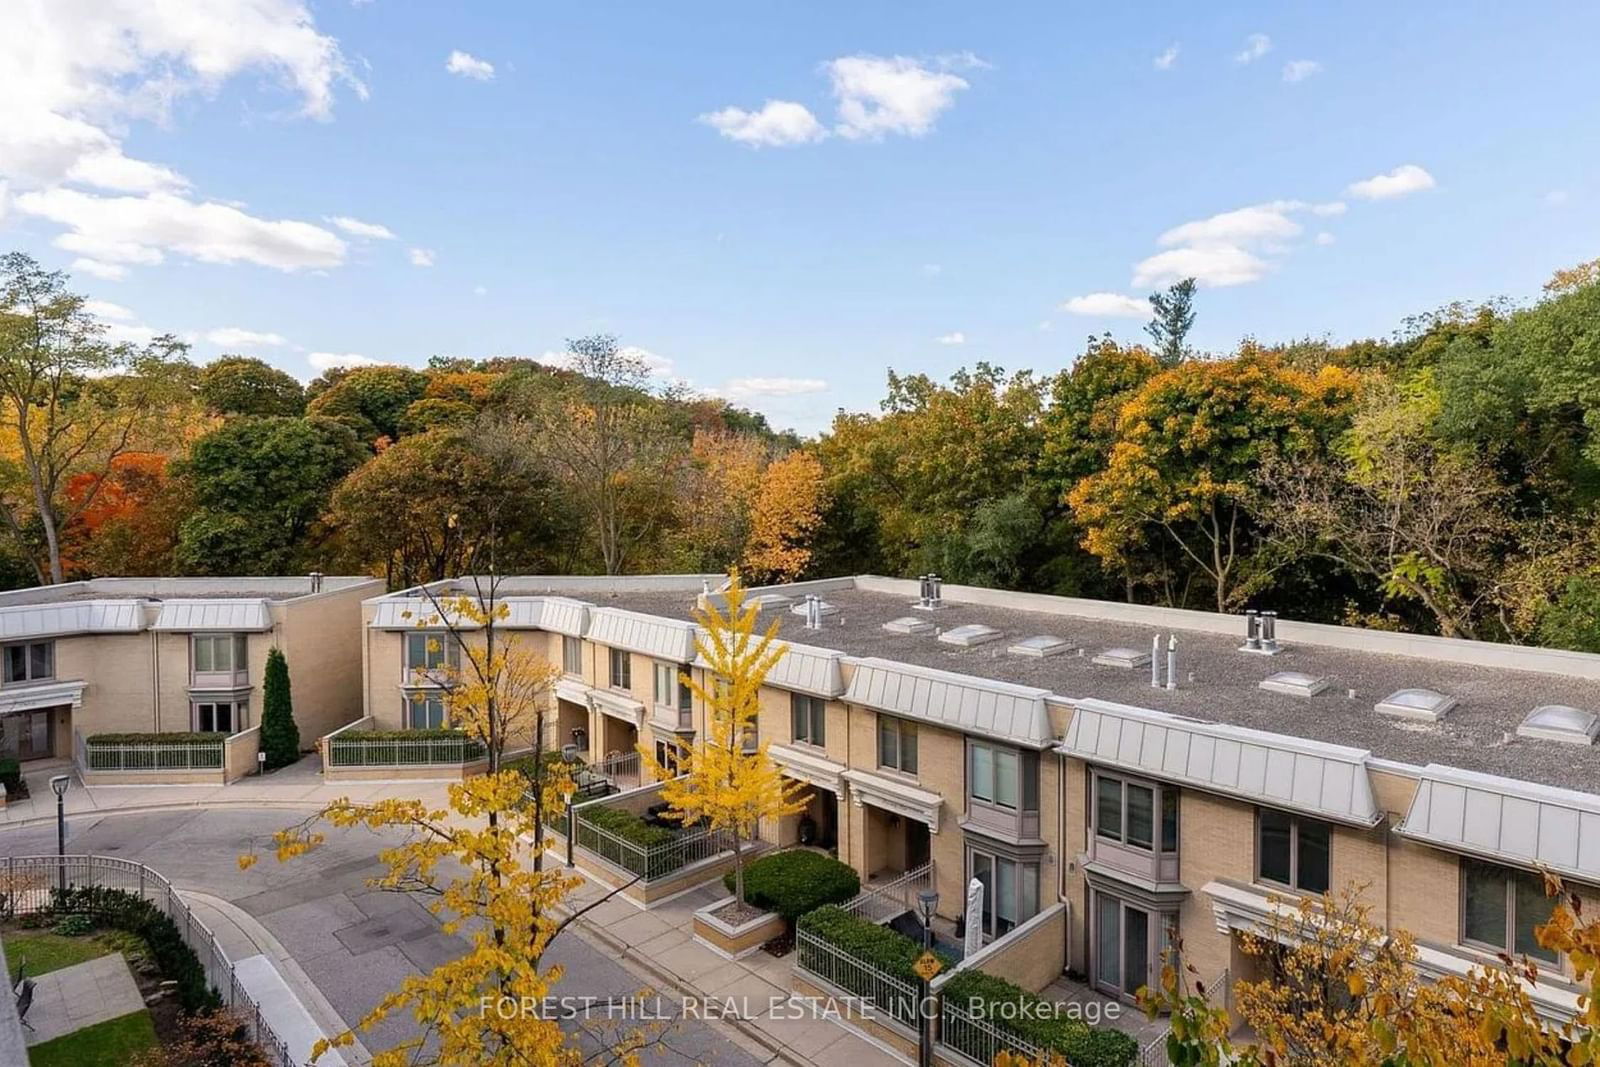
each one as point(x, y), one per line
point(220, 654)
point(431, 651)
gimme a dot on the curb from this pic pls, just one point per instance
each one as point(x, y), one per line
point(145, 809)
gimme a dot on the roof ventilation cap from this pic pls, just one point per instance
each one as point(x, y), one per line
point(974, 633)
point(772, 600)
point(1561, 722)
point(1294, 683)
point(1425, 705)
point(1126, 658)
point(823, 608)
point(908, 625)
point(1041, 646)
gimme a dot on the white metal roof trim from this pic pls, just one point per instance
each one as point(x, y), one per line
point(647, 634)
point(410, 613)
point(1521, 822)
point(1329, 781)
point(563, 615)
point(188, 616)
point(84, 616)
point(975, 705)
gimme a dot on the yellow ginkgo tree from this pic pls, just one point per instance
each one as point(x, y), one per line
point(721, 781)
point(477, 862)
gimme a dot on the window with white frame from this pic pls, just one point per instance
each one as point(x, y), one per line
point(424, 712)
point(1501, 908)
point(621, 669)
point(1002, 777)
point(31, 662)
point(571, 655)
point(897, 744)
point(808, 719)
point(671, 690)
point(431, 650)
point(1292, 851)
point(667, 753)
point(1010, 889)
point(1125, 811)
point(220, 653)
point(219, 716)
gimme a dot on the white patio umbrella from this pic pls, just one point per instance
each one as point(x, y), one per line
point(974, 940)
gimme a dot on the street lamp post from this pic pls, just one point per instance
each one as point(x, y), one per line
point(928, 904)
point(58, 785)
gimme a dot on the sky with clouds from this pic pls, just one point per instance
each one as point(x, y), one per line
point(777, 204)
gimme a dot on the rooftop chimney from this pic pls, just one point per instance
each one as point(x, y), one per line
point(316, 581)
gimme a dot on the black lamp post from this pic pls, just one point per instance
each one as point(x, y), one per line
point(58, 785)
point(928, 905)
point(569, 756)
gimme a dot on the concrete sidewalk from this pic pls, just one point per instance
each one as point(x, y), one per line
point(67, 1000)
point(298, 786)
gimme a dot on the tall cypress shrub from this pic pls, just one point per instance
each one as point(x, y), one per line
point(280, 737)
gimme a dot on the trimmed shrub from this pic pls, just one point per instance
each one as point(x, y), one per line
point(176, 738)
point(794, 882)
point(377, 748)
point(11, 775)
point(125, 911)
point(634, 830)
point(280, 737)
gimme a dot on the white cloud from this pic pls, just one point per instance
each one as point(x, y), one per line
point(955, 337)
point(357, 228)
point(1260, 222)
point(1216, 265)
point(1555, 197)
point(1255, 46)
point(1298, 70)
point(328, 360)
point(469, 66)
point(1046, 326)
point(1167, 58)
point(105, 309)
point(778, 123)
point(421, 257)
point(480, 290)
point(1108, 304)
point(880, 95)
point(657, 366)
point(128, 333)
point(1333, 207)
point(1326, 238)
point(95, 268)
point(747, 388)
point(932, 270)
point(141, 229)
point(237, 337)
point(1406, 178)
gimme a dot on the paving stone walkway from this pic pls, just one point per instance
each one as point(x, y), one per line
point(86, 993)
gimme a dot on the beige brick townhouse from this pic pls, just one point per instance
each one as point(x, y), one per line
point(1031, 742)
point(165, 655)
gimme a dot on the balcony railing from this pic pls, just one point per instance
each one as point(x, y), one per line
point(882, 902)
point(652, 863)
point(356, 748)
point(180, 752)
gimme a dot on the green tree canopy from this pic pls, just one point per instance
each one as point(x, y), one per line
point(375, 396)
point(244, 385)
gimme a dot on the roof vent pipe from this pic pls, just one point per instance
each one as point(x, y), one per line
point(924, 590)
point(813, 613)
point(935, 590)
point(1252, 630)
point(1269, 631)
point(1172, 661)
point(1155, 662)
point(316, 581)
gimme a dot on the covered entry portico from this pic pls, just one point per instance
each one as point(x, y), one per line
point(898, 821)
point(36, 720)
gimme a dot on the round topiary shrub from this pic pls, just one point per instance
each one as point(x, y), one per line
point(794, 882)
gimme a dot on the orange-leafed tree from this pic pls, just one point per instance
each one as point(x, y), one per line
point(785, 517)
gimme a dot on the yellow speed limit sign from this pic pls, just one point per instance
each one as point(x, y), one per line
point(927, 965)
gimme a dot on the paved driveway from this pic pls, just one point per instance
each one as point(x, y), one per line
point(355, 944)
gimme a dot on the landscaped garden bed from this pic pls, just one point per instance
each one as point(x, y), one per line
point(11, 778)
point(154, 752)
point(778, 889)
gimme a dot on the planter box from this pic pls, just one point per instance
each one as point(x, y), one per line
point(735, 942)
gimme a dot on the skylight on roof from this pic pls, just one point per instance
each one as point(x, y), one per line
point(1425, 705)
point(1126, 658)
point(1561, 722)
point(908, 624)
point(822, 606)
point(772, 600)
point(1040, 646)
point(1294, 684)
point(974, 633)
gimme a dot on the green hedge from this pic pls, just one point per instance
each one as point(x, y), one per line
point(377, 748)
point(10, 774)
point(527, 766)
point(634, 830)
point(160, 739)
point(155, 752)
point(893, 953)
point(795, 882)
point(127, 911)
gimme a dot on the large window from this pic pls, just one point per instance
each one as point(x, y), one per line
point(808, 719)
point(219, 716)
point(1500, 908)
point(31, 662)
point(1003, 777)
point(897, 744)
point(424, 712)
point(571, 655)
point(672, 691)
point(1292, 851)
point(621, 669)
point(1125, 812)
point(431, 650)
point(1010, 890)
point(220, 653)
point(667, 753)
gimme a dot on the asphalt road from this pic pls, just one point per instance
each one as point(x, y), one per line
point(354, 943)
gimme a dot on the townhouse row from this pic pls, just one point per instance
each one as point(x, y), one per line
point(1164, 774)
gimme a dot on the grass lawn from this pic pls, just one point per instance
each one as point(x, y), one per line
point(46, 952)
point(112, 1043)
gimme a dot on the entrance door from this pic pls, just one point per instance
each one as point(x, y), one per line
point(1122, 946)
point(34, 733)
point(918, 847)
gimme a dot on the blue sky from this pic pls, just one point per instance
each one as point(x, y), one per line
point(930, 174)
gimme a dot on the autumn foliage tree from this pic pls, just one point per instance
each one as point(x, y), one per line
point(721, 779)
point(784, 518)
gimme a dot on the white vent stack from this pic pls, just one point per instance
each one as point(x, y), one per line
point(1155, 661)
point(1252, 631)
point(316, 581)
point(1261, 633)
point(813, 612)
point(1269, 632)
point(924, 591)
point(935, 591)
point(1172, 661)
